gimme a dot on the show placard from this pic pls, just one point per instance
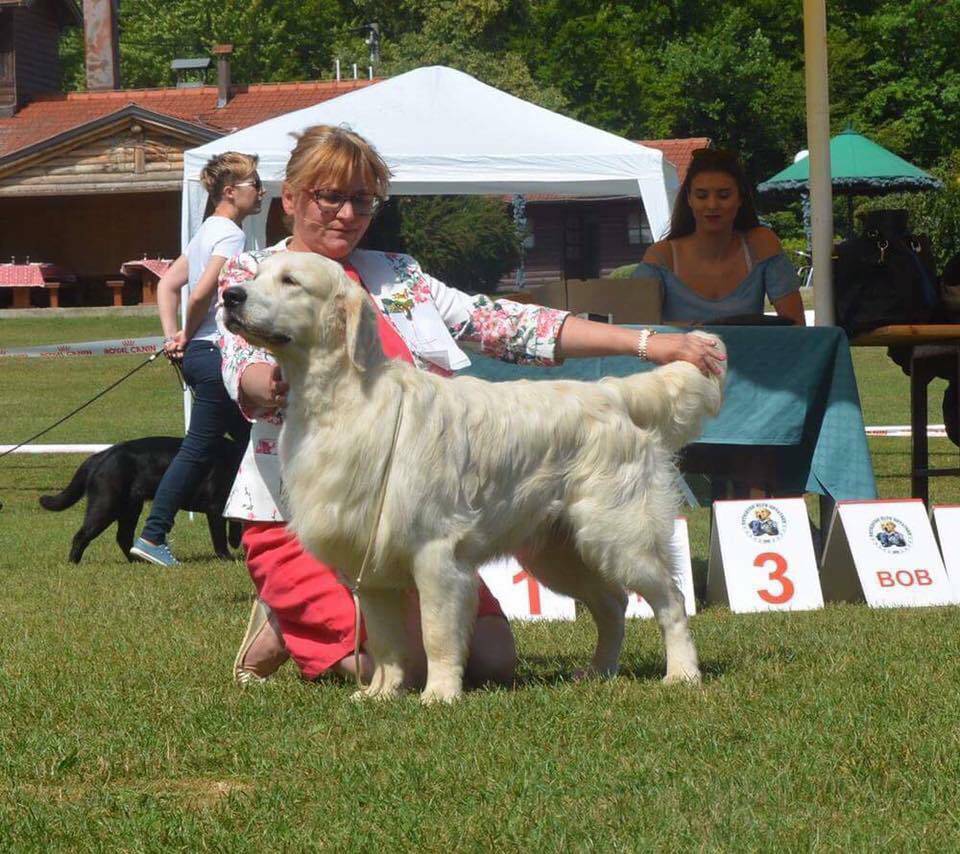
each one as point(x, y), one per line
point(521, 596)
point(884, 552)
point(637, 606)
point(762, 558)
point(946, 524)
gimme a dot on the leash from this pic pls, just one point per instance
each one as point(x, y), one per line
point(82, 406)
point(355, 588)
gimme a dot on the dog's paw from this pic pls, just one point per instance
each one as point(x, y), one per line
point(432, 696)
point(378, 694)
point(683, 677)
point(585, 674)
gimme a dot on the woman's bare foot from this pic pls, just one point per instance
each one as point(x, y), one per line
point(262, 650)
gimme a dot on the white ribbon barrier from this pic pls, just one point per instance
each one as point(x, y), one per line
point(900, 431)
point(116, 347)
point(54, 449)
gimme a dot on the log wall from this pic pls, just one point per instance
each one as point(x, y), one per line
point(133, 159)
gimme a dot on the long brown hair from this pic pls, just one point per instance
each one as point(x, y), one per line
point(712, 160)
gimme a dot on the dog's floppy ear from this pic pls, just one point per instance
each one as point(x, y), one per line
point(362, 337)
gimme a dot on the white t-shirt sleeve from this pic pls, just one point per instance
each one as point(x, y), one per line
point(227, 241)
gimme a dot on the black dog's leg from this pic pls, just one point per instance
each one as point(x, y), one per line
point(234, 533)
point(127, 528)
point(218, 534)
point(99, 516)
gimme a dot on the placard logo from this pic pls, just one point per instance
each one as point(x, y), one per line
point(763, 523)
point(890, 534)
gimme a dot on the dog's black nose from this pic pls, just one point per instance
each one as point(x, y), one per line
point(234, 296)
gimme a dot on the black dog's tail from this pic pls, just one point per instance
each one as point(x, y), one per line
point(74, 490)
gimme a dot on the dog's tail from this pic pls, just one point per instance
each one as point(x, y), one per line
point(674, 399)
point(74, 490)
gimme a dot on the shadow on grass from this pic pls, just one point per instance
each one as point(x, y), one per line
point(558, 670)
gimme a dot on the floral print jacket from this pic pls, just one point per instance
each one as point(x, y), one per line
point(432, 318)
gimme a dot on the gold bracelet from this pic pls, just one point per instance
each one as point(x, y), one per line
point(642, 343)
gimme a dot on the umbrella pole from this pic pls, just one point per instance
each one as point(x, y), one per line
point(851, 229)
point(818, 143)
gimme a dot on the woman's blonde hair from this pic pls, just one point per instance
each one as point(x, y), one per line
point(227, 169)
point(334, 157)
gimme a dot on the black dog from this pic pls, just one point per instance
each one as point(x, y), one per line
point(118, 480)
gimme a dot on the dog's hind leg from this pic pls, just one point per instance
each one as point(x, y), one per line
point(127, 528)
point(384, 613)
point(99, 516)
point(218, 534)
point(559, 565)
point(636, 555)
point(667, 603)
point(649, 574)
point(234, 533)
point(448, 609)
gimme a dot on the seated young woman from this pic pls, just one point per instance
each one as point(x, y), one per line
point(717, 261)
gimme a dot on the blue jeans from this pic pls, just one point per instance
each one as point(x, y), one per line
point(213, 414)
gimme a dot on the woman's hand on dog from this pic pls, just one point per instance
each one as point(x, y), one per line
point(699, 350)
point(262, 386)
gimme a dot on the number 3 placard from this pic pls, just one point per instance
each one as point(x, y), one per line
point(761, 556)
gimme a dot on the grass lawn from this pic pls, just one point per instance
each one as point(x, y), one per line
point(120, 727)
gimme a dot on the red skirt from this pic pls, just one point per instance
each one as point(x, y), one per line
point(313, 608)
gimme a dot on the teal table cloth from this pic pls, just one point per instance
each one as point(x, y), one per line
point(787, 386)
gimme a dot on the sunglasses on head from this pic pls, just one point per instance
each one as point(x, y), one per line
point(331, 202)
point(716, 155)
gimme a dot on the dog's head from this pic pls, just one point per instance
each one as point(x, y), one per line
point(300, 302)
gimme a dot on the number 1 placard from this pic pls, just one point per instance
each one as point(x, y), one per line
point(521, 596)
point(761, 556)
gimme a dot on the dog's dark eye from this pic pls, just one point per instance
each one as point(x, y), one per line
point(287, 279)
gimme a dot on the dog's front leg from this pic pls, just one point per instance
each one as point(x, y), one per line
point(448, 610)
point(384, 612)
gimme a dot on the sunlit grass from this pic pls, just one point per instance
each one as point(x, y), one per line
point(120, 728)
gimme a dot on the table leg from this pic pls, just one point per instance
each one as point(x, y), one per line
point(117, 288)
point(919, 452)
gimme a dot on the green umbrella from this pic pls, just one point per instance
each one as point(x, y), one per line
point(858, 167)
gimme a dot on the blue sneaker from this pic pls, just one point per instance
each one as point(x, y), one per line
point(160, 555)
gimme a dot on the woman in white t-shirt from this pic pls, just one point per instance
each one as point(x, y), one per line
point(234, 186)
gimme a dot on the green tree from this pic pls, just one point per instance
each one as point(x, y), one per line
point(274, 40)
point(896, 76)
point(728, 84)
point(467, 242)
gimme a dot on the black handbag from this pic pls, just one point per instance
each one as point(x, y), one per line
point(884, 276)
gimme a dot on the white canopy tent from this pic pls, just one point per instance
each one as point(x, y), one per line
point(442, 132)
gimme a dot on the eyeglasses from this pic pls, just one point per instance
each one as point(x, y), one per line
point(256, 183)
point(330, 202)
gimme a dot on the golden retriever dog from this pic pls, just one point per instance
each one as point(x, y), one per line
point(578, 478)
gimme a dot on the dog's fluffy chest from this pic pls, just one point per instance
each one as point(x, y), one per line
point(332, 476)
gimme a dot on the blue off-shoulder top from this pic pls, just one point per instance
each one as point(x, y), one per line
point(774, 277)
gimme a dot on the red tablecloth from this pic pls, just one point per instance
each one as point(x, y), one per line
point(157, 266)
point(21, 276)
point(32, 275)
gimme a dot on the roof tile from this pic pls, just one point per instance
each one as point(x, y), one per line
point(49, 115)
